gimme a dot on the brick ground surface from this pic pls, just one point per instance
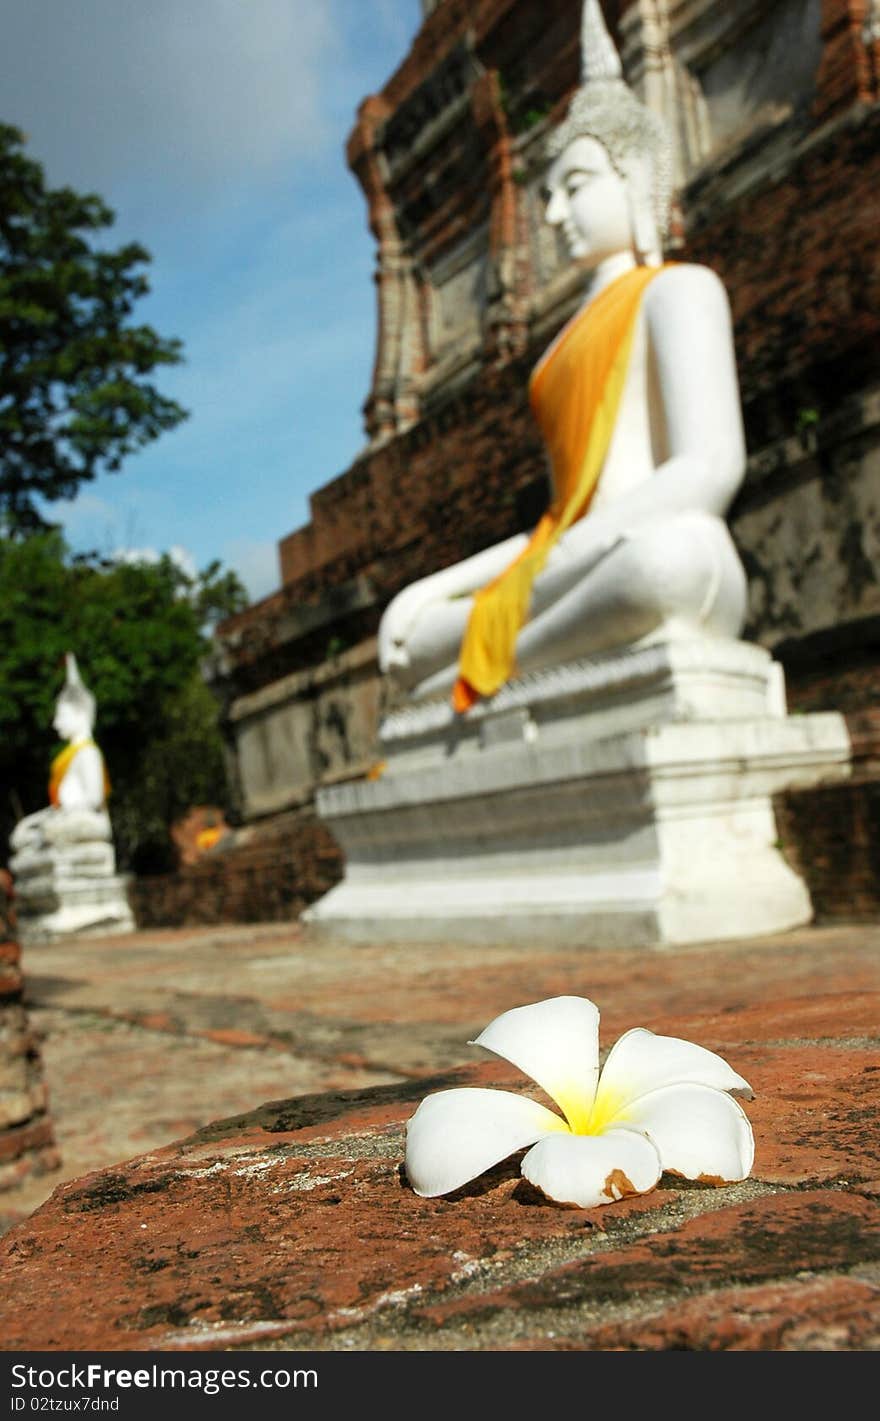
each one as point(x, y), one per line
point(230, 1108)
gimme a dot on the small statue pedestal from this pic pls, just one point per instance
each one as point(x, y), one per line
point(67, 882)
point(623, 800)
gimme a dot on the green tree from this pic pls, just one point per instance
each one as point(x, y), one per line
point(75, 393)
point(140, 632)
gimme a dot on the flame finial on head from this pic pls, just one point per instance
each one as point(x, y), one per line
point(599, 58)
point(74, 691)
point(71, 671)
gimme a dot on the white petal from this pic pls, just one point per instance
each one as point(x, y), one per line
point(556, 1042)
point(699, 1132)
point(641, 1061)
point(593, 1169)
point(457, 1134)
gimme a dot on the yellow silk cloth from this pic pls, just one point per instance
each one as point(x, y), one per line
point(61, 764)
point(574, 393)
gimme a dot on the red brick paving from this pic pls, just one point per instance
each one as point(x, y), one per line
point(292, 1224)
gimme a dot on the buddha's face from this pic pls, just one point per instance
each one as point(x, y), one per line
point(588, 199)
point(70, 722)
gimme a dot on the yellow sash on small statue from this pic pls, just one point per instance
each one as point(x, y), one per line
point(574, 392)
point(61, 764)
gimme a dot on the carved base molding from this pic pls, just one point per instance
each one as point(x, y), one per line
point(89, 910)
point(624, 801)
point(53, 906)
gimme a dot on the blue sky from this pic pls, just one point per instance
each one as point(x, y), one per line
point(216, 131)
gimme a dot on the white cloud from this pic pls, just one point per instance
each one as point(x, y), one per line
point(90, 520)
point(181, 557)
point(176, 93)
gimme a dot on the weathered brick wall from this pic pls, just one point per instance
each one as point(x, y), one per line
point(798, 252)
point(271, 876)
point(835, 672)
point(27, 1139)
point(831, 834)
point(850, 67)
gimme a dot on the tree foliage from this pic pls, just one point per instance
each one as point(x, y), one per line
point(139, 632)
point(75, 392)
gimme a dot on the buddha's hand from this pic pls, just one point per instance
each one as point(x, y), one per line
point(393, 657)
point(396, 626)
point(29, 828)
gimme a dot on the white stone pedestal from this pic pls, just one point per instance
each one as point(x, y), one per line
point(66, 881)
point(620, 801)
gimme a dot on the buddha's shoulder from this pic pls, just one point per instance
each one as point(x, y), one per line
point(687, 292)
point(686, 280)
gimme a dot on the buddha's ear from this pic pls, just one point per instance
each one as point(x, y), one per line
point(643, 226)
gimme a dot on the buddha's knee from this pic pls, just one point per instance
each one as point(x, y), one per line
point(29, 831)
point(687, 567)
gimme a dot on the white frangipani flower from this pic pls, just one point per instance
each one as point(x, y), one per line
point(660, 1104)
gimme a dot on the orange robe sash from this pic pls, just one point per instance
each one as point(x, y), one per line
point(61, 764)
point(574, 393)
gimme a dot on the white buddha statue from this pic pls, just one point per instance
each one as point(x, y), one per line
point(77, 780)
point(63, 861)
point(639, 404)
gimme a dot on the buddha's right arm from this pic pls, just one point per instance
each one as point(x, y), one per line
point(461, 579)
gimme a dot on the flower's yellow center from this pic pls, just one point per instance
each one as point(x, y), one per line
point(587, 1115)
point(606, 1107)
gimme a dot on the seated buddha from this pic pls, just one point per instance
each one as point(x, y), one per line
point(78, 782)
point(638, 402)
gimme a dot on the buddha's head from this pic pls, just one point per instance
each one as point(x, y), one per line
point(75, 706)
point(609, 184)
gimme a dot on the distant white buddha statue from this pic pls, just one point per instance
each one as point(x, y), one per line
point(63, 861)
point(78, 782)
point(639, 405)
